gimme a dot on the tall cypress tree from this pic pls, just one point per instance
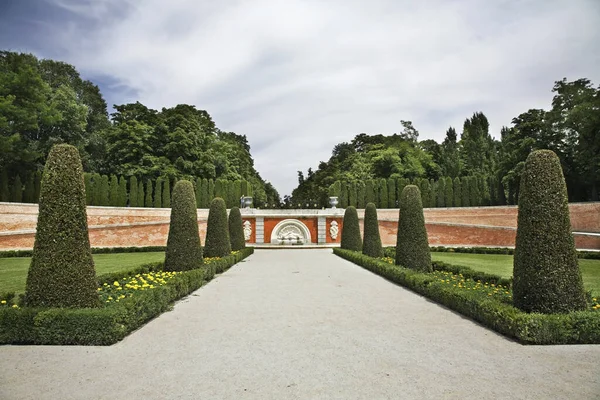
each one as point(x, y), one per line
point(343, 201)
point(425, 192)
point(133, 192)
point(198, 192)
point(113, 191)
point(383, 193)
point(17, 190)
point(352, 194)
point(205, 194)
point(96, 189)
point(148, 200)
point(466, 197)
point(122, 192)
point(219, 190)
point(141, 194)
point(360, 195)
point(166, 193)
point(369, 192)
point(441, 193)
point(37, 182)
point(4, 187)
point(474, 191)
point(89, 190)
point(456, 187)
point(211, 192)
point(158, 185)
point(103, 199)
point(449, 193)
point(29, 192)
point(433, 185)
point(392, 193)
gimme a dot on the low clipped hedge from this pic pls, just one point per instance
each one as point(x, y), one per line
point(390, 251)
point(580, 327)
point(108, 325)
point(95, 250)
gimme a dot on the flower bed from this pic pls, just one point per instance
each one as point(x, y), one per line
point(471, 293)
point(130, 299)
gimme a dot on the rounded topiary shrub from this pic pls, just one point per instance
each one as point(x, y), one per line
point(546, 274)
point(217, 232)
point(351, 231)
point(183, 244)
point(236, 230)
point(371, 240)
point(412, 246)
point(62, 270)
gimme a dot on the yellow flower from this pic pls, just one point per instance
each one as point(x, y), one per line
point(116, 283)
point(3, 301)
point(15, 306)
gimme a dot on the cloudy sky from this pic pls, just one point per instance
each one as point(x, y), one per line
point(298, 76)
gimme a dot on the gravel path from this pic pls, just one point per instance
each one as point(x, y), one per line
point(303, 324)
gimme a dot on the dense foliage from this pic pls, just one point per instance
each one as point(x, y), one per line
point(351, 239)
point(217, 242)
point(43, 102)
point(62, 270)
point(493, 166)
point(236, 230)
point(412, 245)
point(183, 243)
point(371, 239)
point(546, 273)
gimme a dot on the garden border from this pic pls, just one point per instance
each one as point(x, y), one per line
point(390, 251)
point(107, 325)
point(581, 327)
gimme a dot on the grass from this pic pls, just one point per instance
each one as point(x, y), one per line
point(13, 271)
point(501, 264)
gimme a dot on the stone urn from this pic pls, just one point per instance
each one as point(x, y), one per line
point(333, 201)
point(247, 202)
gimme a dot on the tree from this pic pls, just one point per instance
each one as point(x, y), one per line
point(141, 194)
point(183, 251)
point(448, 191)
point(433, 197)
point(371, 239)
point(133, 192)
point(474, 192)
point(360, 195)
point(412, 245)
point(211, 192)
point(113, 192)
point(465, 187)
point(351, 231)
point(369, 192)
point(29, 192)
point(148, 200)
point(89, 189)
point(166, 193)
point(546, 273)
point(206, 197)
point(103, 192)
point(4, 187)
point(199, 197)
point(383, 193)
point(478, 155)
point(122, 192)
point(217, 232)
point(236, 230)
point(441, 193)
point(62, 271)
point(17, 190)
point(37, 183)
point(450, 160)
point(158, 197)
point(352, 194)
point(457, 192)
point(343, 200)
point(425, 193)
point(391, 189)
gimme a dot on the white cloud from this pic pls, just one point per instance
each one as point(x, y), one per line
point(299, 76)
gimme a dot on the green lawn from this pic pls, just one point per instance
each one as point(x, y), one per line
point(501, 264)
point(13, 271)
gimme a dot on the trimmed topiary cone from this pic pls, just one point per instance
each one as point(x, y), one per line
point(236, 230)
point(546, 274)
point(217, 232)
point(351, 231)
point(62, 271)
point(372, 240)
point(183, 244)
point(412, 245)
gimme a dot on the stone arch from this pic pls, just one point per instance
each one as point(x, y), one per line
point(290, 231)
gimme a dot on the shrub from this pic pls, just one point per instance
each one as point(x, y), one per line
point(140, 194)
point(392, 193)
point(383, 193)
point(466, 197)
point(62, 269)
point(546, 274)
point(148, 200)
point(236, 230)
point(133, 192)
point(369, 192)
point(158, 193)
point(352, 193)
point(351, 231)
point(412, 246)
point(371, 239)
point(166, 193)
point(217, 233)
point(113, 192)
point(457, 201)
point(103, 190)
point(449, 193)
point(183, 244)
point(441, 193)
point(29, 192)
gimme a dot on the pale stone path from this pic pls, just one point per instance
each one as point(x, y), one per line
point(303, 324)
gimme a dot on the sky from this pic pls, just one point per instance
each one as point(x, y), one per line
point(299, 76)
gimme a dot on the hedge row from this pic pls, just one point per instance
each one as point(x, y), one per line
point(95, 250)
point(390, 251)
point(103, 190)
point(445, 192)
point(105, 326)
point(581, 327)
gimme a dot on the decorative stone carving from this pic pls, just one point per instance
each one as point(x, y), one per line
point(290, 232)
point(247, 230)
point(334, 230)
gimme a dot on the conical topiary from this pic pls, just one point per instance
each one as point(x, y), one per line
point(412, 246)
point(62, 269)
point(217, 233)
point(236, 230)
point(371, 240)
point(183, 244)
point(351, 231)
point(546, 274)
